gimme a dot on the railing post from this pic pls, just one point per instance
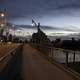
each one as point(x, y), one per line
point(52, 52)
point(67, 57)
point(74, 57)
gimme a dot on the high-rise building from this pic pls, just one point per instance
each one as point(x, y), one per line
point(3, 23)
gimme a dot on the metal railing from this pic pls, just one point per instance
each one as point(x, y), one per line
point(59, 54)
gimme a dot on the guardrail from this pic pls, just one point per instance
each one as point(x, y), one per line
point(60, 55)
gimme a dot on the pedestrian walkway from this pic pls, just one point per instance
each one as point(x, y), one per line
point(35, 67)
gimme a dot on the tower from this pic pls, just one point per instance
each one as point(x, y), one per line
point(2, 22)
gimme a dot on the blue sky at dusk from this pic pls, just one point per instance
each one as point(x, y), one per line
point(64, 14)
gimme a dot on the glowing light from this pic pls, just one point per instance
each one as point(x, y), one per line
point(2, 25)
point(2, 14)
point(33, 25)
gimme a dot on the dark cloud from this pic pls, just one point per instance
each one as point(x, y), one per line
point(42, 27)
point(74, 6)
point(30, 27)
point(2, 0)
point(26, 8)
point(33, 7)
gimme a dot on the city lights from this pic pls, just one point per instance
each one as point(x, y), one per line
point(2, 25)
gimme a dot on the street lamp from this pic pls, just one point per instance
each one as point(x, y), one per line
point(2, 14)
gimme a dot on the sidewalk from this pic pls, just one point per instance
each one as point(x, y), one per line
point(35, 67)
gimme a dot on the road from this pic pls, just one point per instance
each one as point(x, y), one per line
point(35, 67)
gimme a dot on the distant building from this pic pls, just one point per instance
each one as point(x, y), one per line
point(3, 24)
point(40, 37)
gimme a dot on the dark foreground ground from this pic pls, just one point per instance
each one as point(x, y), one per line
point(75, 66)
point(12, 71)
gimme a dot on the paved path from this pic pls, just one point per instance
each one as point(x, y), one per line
point(36, 67)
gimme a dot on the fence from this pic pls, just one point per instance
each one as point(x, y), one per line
point(58, 54)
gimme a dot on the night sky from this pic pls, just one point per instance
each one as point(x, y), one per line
point(59, 13)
